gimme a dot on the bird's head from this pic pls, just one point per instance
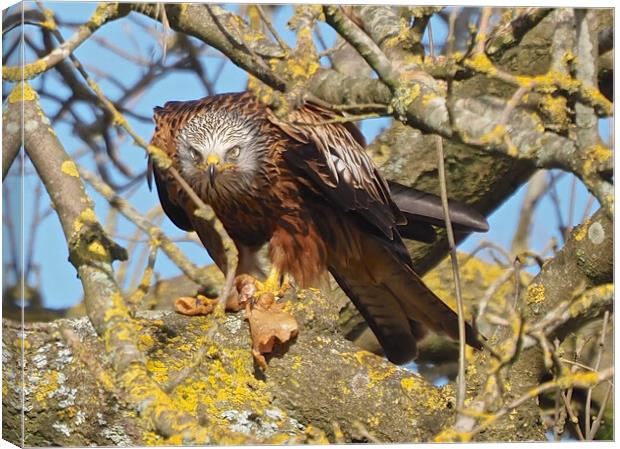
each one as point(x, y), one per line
point(220, 150)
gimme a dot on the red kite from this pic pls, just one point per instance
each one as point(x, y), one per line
point(307, 187)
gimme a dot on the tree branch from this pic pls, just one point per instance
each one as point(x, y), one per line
point(92, 254)
point(104, 13)
point(12, 131)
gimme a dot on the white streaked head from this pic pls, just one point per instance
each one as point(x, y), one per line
point(220, 150)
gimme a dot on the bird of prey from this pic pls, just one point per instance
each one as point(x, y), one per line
point(306, 186)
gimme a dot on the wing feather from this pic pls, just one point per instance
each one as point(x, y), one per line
point(333, 157)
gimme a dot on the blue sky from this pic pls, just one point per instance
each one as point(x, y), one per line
point(59, 284)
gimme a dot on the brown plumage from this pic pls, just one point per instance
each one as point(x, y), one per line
point(308, 189)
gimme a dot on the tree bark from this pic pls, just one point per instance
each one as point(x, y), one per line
point(315, 381)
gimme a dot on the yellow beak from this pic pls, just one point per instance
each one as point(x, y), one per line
point(213, 159)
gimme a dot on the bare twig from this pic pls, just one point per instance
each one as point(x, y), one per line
point(483, 28)
point(104, 13)
point(163, 162)
point(582, 380)
point(145, 282)
point(271, 28)
point(571, 207)
point(597, 363)
point(574, 419)
point(461, 386)
point(154, 232)
point(599, 417)
point(536, 189)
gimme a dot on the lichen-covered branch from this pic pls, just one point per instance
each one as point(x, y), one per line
point(422, 103)
point(105, 12)
point(363, 44)
point(586, 262)
point(509, 34)
point(318, 379)
point(208, 22)
point(92, 253)
point(11, 129)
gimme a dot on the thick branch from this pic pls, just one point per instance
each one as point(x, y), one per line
point(223, 31)
point(12, 128)
point(364, 45)
point(510, 34)
point(92, 254)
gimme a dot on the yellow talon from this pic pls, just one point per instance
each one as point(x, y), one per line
point(271, 284)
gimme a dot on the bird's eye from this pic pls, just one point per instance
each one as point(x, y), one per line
point(234, 152)
point(195, 154)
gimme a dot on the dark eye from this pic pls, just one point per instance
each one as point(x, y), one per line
point(234, 152)
point(195, 154)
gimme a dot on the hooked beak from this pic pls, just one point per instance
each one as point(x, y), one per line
point(212, 163)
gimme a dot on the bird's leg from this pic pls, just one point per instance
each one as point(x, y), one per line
point(271, 284)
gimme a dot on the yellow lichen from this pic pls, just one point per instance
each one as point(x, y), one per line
point(296, 362)
point(49, 22)
point(494, 135)
point(426, 99)
point(97, 249)
point(68, 167)
point(413, 93)
point(158, 370)
point(376, 374)
point(598, 99)
point(119, 119)
point(550, 81)
point(403, 36)
point(29, 71)
point(87, 216)
point(18, 342)
point(229, 383)
point(186, 347)
point(556, 109)
point(474, 271)
point(594, 156)
point(451, 436)
point(101, 15)
point(409, 383)
point(151, 439)
point(316, 436)
point(22, 92)
point(48, 385)
point(118, 309)
point(413, 60)
point(481, 63)
point(299, 69)
point(535, 293)
point(159, 156)
point(582, 231)
point(374, 421)
point(433, 398)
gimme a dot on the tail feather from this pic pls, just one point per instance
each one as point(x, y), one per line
point(395, 302)
point(424, 209)
point(384, 316)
